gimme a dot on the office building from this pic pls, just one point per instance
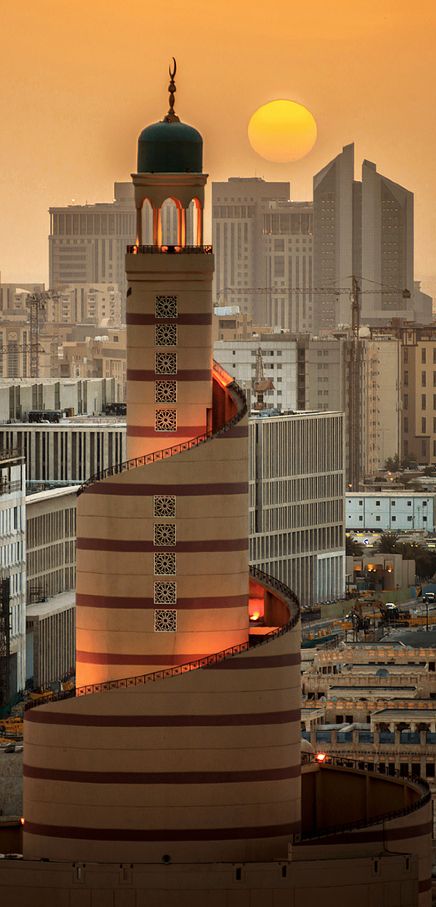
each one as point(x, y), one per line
point(203, 797)
point(50, 543)
point(69, 451)
point(288, 249)
point(278, 353)
point(366, 229)
point(297, 502)
point(12, 574)
point(238, 209)
point(87, 242)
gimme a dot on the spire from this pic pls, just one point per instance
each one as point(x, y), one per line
point(172, 117)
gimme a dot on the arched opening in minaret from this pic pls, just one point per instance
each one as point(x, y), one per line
point(147, 223)
point(173, 223)
point(197, 222)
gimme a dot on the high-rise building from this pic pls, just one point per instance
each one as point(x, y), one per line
point(366, 229)
point(87, 242)
point(288, 249)
point(238, 208)
point(172, 774)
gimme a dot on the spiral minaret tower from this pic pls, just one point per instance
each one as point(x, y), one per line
point(183, 734)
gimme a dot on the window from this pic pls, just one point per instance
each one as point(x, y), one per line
point(165, 392)
point(165, 563)
point(423, 401)
point(166, 307)
point(166, 420)
point(423, 425)
point(406, 401)
point(409, 503)
point(393, 519)
point(377, 503)
point(164, 505)
point(377, 519)
point(406, 378)
point(424, 379)
point(434, 355)
point(165, 593)
point(165, 620)
point(166, 363)
point(423, 355)
point(165, 335)
point(164, 535)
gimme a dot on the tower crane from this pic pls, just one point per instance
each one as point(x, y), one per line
point(355, 293)
point(37, 304)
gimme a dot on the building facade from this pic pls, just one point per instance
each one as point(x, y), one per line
point(296, 502)
point(288, 250)
point(12, 574)
point(279, 357)
point(392, 511)
point(50, 543)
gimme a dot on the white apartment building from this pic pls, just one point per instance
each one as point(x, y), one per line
point(297, 502)
point(72, 450)
point(279, 356)
point(12, 574)
point(89, 303)
point(395, 511)
point(50, 542)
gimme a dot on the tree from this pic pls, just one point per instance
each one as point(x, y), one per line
point(392, 464)
point(425, 560)
point(353, 548)
point(387, 543)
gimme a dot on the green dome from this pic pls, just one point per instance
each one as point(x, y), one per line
point(170, 147)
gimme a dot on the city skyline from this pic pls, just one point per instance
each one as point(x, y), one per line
point(58, 60)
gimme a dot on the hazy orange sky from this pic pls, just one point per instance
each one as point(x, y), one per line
point(80, 78)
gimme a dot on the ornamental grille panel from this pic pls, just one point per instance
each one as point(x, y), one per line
point(166, 363)
point(164, 535)
point(165, 392)
point(165, 593)
point(165, 563)
point(165, 620)
point(165, 420)
point(166, 307)
point(164, 505)
point(165, 335)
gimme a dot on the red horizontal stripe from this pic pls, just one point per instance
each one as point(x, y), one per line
point(146, 545)
point(92, 777)
point(162, 834)
point(191, 490)
point(81, 720)
point(117, 601)
point(187, 374)
point(105, 658)
point(183, 431)
point(255, 661)
point(183, 318)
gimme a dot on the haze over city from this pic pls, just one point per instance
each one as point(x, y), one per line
point(77, 78)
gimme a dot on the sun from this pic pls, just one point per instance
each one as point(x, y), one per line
point(282, 131)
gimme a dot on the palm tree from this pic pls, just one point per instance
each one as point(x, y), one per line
point(352, 547)
point(387, 543)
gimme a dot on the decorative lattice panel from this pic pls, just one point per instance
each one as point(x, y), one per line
point(165, 593)
point(165, 563)
point(165, 420)
point(164, 505)
point(165, 335)
point(166, 364)
point(164, 535)
point(166, 307)
point(165, 620)
point(165, 392)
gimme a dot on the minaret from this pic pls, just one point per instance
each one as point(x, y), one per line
point(162, 548)
point(169, 305)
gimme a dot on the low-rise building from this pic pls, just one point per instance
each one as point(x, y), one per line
point(75, 396)
point(380, 572)
point(393, 511)
point(50, 639)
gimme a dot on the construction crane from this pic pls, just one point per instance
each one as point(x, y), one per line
point(261, 384)
point(354, 395)
point(13, 349)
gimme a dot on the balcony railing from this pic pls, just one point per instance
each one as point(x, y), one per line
point(269, 582)
point(169, 250)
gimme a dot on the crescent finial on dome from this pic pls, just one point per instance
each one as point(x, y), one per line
point(171, 116)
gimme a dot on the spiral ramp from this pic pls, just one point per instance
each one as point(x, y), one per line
point(182, 740)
